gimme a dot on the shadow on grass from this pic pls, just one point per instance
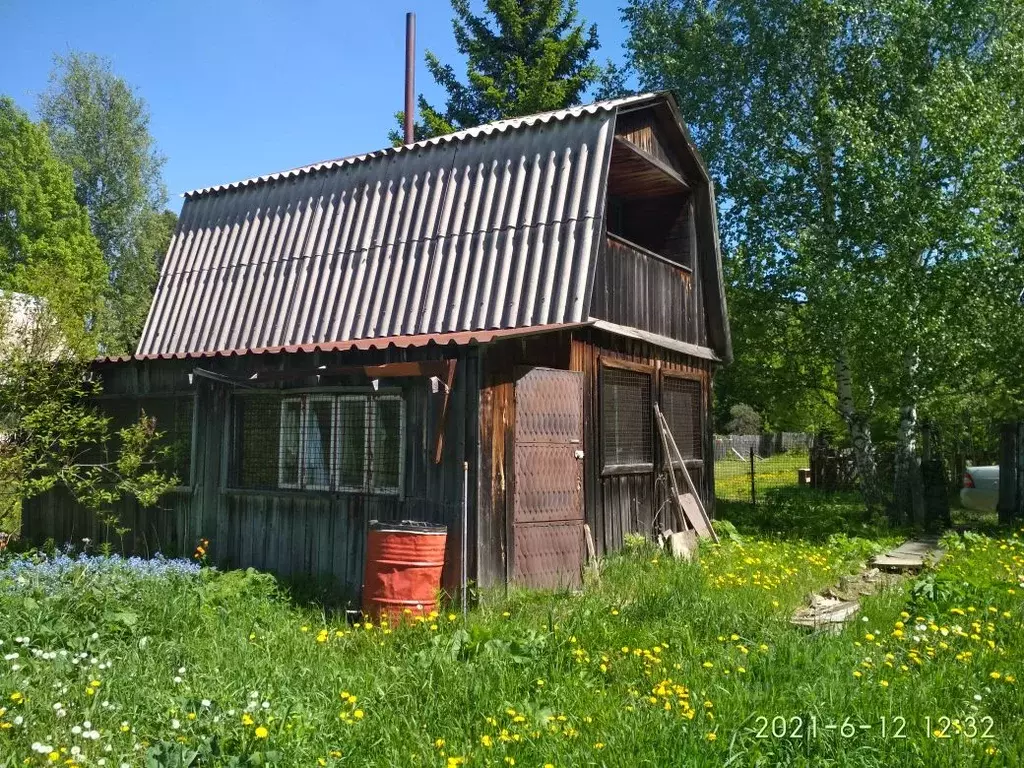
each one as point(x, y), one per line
point(803, 513)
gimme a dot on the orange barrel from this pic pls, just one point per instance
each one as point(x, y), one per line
point(403, 568)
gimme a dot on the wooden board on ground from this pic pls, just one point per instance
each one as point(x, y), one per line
point(825, 613)
point(910, 556)
point(694, 516)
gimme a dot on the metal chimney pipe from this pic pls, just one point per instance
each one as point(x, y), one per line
point(410, 77)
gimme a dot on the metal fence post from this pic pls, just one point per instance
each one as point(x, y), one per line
point(753, 481)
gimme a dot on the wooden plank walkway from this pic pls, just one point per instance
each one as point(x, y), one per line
point(910, 555)
point(835, 607)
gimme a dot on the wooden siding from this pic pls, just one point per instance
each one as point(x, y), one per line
point(291, 533)
point(496, 454)
point(641, 129)
point(638, 289)
point(628, 502)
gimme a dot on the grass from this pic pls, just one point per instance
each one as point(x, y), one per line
point(661, 663)
point(784, 508)
point(732, 476)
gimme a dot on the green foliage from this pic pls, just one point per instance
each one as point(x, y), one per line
point(866, 156)
point(567, 680)
point(743, 420)
point(54, 437)
point(100, 127)
point(804, 513)
point(46, 248)
point(521, 57)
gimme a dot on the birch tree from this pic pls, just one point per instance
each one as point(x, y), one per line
point(863, 153)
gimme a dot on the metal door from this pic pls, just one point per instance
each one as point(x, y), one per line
point(548, 484)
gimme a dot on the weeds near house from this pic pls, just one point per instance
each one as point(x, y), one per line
point(111, 662)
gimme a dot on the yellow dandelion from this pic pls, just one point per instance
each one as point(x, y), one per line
point(261, 732)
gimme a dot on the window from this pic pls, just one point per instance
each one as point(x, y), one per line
point(320, 442)
point(681, 404)
point(626, 419)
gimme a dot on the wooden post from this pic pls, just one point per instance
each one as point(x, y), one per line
point(753, 482)
point(1009, 467)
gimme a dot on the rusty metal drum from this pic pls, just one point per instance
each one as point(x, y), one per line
point(403, 568)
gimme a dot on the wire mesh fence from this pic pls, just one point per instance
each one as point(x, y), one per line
point(779, 479)
point(744, 476)
point(785, 483)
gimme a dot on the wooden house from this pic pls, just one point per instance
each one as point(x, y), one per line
point(362, 339)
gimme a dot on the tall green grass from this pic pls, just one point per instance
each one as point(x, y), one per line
point(660, 663)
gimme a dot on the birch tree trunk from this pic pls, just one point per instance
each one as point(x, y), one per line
point(908, 490)
point(860, 434)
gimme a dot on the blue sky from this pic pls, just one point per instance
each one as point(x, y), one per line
point(239, 89)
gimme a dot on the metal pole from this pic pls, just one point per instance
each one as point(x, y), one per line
point(753, 483)
point(410, 77)
point(465, 533)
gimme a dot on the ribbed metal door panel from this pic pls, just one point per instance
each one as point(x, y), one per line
point(548, 488)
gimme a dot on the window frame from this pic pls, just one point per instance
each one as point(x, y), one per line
point(691, 463)
point(634, 468)
point(352, 397)
point(335, 396)
point(297, 485)
point(368, 472)
point(139, 401)
point(306, 423)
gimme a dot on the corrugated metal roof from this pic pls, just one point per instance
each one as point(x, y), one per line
point(488, 228)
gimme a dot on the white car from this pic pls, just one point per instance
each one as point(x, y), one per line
point(981, 489)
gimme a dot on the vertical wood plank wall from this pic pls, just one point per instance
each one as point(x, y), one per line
point(618, 504)
point(292, 533)
point(639, 290)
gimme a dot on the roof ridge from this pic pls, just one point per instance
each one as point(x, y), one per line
point(456, 136)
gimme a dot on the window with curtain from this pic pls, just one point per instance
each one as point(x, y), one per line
point(320, 442)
